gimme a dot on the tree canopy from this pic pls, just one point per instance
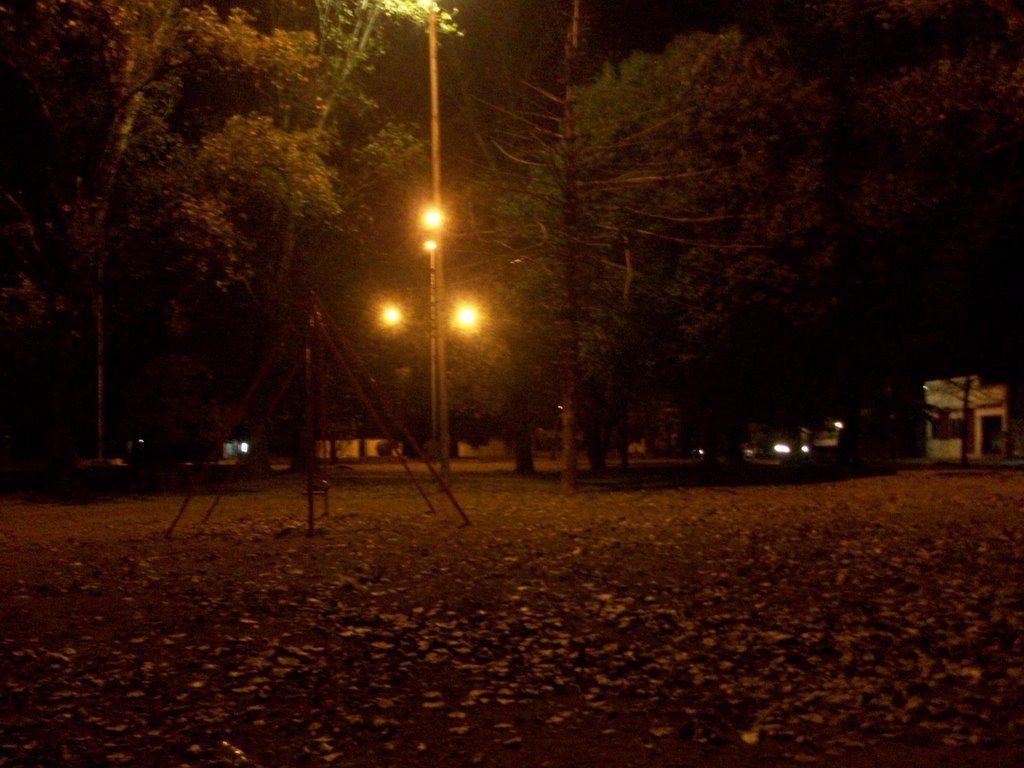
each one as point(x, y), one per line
point(788, 218)
point(785, 221)
point(163, 155)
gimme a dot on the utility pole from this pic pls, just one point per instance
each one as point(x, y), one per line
point(439, 307)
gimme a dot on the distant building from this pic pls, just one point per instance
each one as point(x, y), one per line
point(968, 408)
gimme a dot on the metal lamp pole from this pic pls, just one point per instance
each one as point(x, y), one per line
point(437, 286)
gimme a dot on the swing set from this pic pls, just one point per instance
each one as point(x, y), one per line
point(322, 338)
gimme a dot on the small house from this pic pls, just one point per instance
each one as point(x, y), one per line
point(967, 408)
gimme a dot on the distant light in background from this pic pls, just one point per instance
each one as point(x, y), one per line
point(782, 449)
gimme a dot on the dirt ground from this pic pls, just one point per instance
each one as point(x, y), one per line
point(871, 622)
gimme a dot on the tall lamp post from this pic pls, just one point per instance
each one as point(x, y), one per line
point(433, 219)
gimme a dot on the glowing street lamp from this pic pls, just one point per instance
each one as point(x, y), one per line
point(466, 317)
point(391, 315)
point(432, 219)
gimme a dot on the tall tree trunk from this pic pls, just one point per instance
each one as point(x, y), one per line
point(622, 431)
point(61, 470)
point(570, 257)
point(92, 209)
point(523, 449)
point(520, 411)
point(849, 437)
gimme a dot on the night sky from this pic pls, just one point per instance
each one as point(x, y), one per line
point(621, 27)
point(532, 31)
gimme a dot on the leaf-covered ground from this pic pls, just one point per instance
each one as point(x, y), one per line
point(876, 621)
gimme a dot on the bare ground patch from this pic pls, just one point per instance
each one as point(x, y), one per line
point(870, 622)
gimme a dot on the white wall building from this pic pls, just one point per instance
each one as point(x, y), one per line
point(984, 423)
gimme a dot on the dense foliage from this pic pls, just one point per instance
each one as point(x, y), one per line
point(797, 217)
point(175, 179)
